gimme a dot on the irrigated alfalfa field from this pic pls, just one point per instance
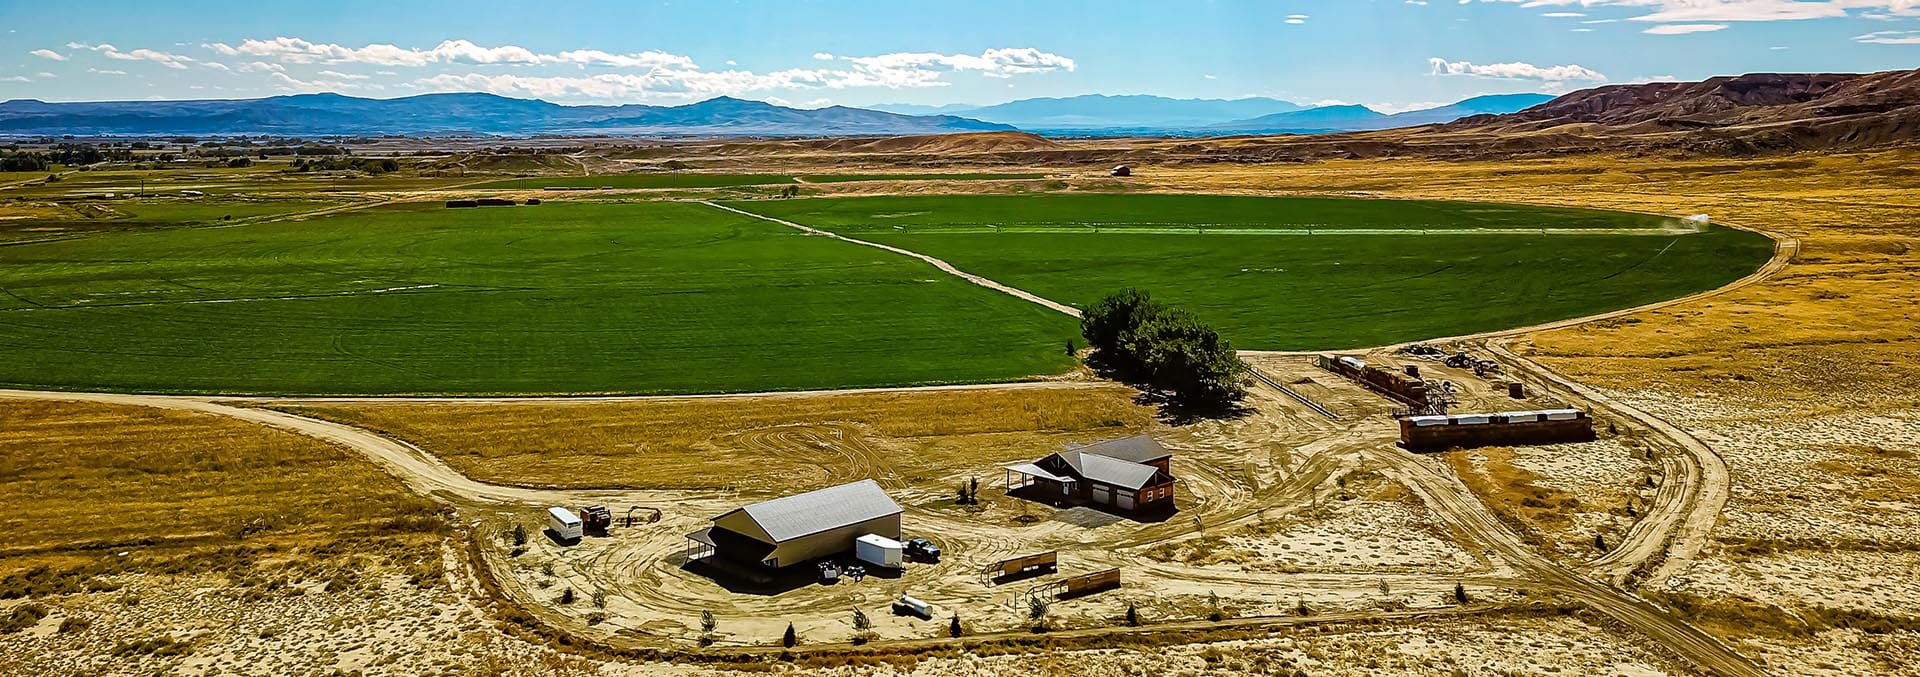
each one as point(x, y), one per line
point(678, 297)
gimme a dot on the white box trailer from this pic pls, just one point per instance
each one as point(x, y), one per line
point(878, 550)
point(565, 525)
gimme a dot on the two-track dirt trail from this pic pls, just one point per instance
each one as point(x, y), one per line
point(944, 267)
point(421, 471)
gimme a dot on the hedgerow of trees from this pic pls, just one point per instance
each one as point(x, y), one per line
point(1168, 348)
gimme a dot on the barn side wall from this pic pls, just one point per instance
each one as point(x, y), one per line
point(1444, 437)
point(834, 541)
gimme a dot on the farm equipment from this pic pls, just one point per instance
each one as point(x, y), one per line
point(1462, 360)
point(829, 572)
point(921, 550)
point(596, 520)
point(652, 515)
point(1424, 350)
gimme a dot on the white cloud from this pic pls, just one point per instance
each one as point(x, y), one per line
point(1684, 29)
point(1296, 19)
point(823, 56)
point(1887, 38)
point(48, 54)
point(16, 78)
point(337, 75)
point(45, 75)
point(101, 71)
point(175, 61)
point(1514, 71)
point(296, 50)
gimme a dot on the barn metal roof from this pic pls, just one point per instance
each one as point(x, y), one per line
point(791, 517)
point(1138, 449)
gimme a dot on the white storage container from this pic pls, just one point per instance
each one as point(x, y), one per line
point(565, 525)
point(1564, 414)
point(877, 550)
point(907, 604)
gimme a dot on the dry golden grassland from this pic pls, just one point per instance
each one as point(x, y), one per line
point(86, 482)
point(775, 444)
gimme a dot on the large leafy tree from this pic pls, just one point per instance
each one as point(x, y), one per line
point(1168, 348)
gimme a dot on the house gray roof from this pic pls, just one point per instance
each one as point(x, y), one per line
point(791, 517)
point(1138, 449)
point(1116, 472)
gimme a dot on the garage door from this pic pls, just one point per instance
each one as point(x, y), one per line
point(1103, 495)
point(1124, 500)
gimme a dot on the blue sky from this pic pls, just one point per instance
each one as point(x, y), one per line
point(1390, 54)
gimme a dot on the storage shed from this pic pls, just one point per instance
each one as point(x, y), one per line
point(795, 529)
point(1466, 431)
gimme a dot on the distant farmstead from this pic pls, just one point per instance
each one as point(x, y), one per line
point(1121, 170)
point(795, 529)
point(1132, 474)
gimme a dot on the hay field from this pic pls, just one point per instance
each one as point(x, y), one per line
point(651, 297)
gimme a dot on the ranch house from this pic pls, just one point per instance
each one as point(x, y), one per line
point(1132, 475)
point(795, 529)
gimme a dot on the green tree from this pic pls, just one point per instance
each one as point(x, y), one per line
point(707, 625)
point(1459, 593)
point(953, 626)
point(789, 639)
point(1037, 612)
point(1133, 616)
point(1169, 349)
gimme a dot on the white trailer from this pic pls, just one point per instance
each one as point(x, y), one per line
point(566, 526)
point(878, 550)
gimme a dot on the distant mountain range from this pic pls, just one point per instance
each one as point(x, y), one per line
point(1101, 115)
point(1100, 111)
point(474, 113)
point(334, 114)
point(1360, 118)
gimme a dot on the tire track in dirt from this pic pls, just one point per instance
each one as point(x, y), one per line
point(1687, 505)
point(1455, 504)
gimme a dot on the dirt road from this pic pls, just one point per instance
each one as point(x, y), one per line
point(420, 471)
point(1457, 505)
point(1686, 507)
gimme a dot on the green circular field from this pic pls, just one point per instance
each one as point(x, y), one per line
point(672, 297)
